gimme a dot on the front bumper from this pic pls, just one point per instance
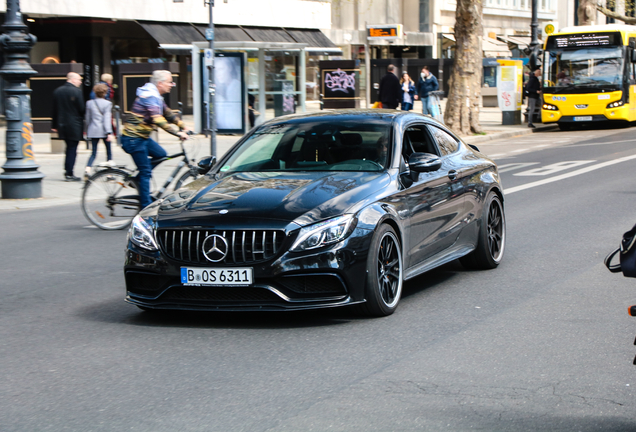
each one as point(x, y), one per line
point(327, 277)
point(552, 116)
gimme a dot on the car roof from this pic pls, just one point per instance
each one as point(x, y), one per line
point(353, 115)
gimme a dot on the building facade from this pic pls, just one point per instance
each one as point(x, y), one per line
point(103, 36)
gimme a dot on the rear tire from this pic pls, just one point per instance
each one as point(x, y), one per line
point(186, 178)
point(491, 240)
point(110, 199)
point(384, 274)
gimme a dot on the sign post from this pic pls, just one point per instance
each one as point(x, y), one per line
point(509, 90)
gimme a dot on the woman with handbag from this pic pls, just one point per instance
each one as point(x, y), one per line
point(99, 125)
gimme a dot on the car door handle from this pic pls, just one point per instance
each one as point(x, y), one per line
point(452, 174)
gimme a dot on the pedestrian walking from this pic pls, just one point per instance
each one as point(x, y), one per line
point(106, 79)
point(99, 125)
point(390, 91)
point(533, 88)
point(68, 119)
point(426, 84)
point(147, 112)
point(408, 92)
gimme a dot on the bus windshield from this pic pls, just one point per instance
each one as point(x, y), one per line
point(583, 70)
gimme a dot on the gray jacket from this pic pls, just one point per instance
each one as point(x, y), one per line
point(99, 118)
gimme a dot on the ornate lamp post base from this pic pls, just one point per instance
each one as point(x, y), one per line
point(21, 178)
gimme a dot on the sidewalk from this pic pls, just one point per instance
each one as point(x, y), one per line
point(56, 191)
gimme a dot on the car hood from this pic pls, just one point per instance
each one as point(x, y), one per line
point(302, 197)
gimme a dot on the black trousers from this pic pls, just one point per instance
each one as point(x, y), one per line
point(71, 155)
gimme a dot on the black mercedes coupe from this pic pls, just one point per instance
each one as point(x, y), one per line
point(319, 210)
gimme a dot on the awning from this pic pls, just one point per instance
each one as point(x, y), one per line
point(520, 42)
point(490, 47)
point(315, 40)
point(177, 38)
point(495, 48)
point(172, 33)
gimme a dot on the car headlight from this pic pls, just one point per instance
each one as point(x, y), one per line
point(142, 234)
point(547, 106)
point(324, 233)
point(615, 104)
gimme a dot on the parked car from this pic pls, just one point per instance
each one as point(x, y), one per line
point(319, 210)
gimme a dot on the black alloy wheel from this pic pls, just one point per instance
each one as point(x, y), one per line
point(492, 236)
point(384, 269)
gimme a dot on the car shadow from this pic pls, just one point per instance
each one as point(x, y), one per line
point(432, 279)
point(116, 312)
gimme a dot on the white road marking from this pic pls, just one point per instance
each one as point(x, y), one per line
point(601, 143)
point(553, 168)
point(513, 166)
point(568, 175)
point(497, 155)
point(518, 151)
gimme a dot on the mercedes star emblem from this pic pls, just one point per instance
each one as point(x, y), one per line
point(215, 248)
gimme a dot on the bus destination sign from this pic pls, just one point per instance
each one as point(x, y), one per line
point(584, 40)
point(385, 32)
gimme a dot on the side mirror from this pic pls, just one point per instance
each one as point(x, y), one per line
point(633, 56)
point(424, 162)
point(205, 164)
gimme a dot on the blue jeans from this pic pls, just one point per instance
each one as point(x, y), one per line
point(143, 152)
point(427, 105)
point(109, 153)
point(406, 106)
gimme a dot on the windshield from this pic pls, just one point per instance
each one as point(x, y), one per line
point(329, 144)
point(586, 69)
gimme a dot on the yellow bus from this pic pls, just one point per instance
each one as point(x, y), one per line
point(588, 75)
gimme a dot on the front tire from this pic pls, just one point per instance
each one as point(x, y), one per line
point(491, 240)
point(110, 199)
point(384, 274)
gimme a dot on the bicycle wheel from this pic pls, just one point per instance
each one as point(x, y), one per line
point(110, 199)
point(187, 177)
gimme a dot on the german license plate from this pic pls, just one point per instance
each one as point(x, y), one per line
point(198, 276)
point(583, 118)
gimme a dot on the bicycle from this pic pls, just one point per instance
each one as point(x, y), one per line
point(110, 199)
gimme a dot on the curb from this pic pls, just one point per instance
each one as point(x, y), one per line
point(508, 134)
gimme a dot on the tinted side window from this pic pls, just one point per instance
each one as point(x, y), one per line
point(446, 143)
point(416, 139)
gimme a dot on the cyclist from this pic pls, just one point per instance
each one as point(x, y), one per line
point(149, 111)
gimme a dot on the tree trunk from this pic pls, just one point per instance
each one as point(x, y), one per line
point(462, 107)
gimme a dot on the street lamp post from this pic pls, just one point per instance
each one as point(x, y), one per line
point(209, 35)
point(21, 178)
point(534, 41)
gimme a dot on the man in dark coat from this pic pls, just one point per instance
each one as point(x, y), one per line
point(534, 93)
point(390, 89)
point(68, 119)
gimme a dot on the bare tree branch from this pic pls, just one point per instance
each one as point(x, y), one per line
point(612, 14)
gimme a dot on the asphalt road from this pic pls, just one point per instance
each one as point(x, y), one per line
point(543, 343)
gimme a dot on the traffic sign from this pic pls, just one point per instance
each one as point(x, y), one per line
point(209, 57)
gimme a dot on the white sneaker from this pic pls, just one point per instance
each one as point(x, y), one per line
point(111, 163)
point(87, 173)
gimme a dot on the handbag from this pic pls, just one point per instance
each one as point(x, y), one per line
point(626, 254)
